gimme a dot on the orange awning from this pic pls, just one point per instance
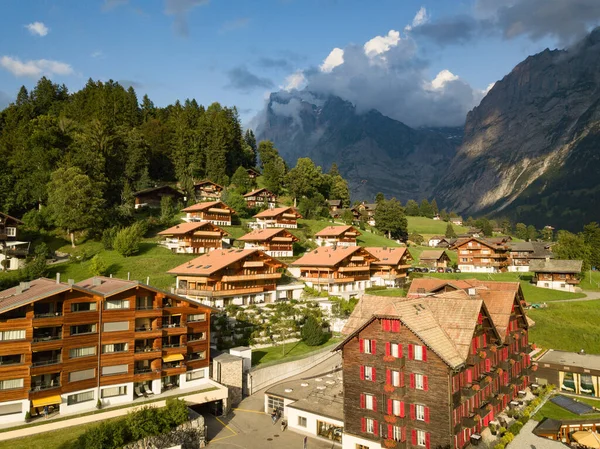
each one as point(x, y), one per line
point(172, 358)
point(50, 400)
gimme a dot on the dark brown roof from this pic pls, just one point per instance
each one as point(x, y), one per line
point(254, 192)
point(156, 189)
point(556, 266)
point(432, 254)
point(206, 181)
point(6, 216)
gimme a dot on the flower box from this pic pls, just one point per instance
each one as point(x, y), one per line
point(391, 419)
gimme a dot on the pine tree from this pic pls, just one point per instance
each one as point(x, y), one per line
point(412, 208)
point(312, 333)
point(450, 234)
point(425, 209)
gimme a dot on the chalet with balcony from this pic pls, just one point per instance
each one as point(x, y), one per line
point(12, 250)
point(438, 241)
point(335, 207)
point(234, 276)
point(417, 376)
point(571, 372)
point(344, 270)
point(215, 212)
point(391, 267)
point(66, 346)
point(153, 196)
point(337, 236)
point(556, 274)
point(273, 241)
point(193, 237)
point(522, 253)
point(365, 211)
point(253, 174)
point(434, 259)
point(456, 221)
point(479, 255)
point(280, 217)
point(207, 191)
point(261, 198)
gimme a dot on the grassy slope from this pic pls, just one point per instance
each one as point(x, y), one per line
point(428, 227)
point(273, 354)
point(56, 439)
point(551, 410)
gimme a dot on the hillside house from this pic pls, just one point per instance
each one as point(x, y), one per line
point(273, 241)
point(67, 346)
point(280, 217)
point(571, 372)
point(343, 271)
point(522, 253)
point(438, 241)
point(252, 174)
point(261, 198)
point(391, 267)
point(479, 255)
point(556, 274)
point(152, 197)
point(12, 250)
point(207, 191)
point(417, 376)
point(335, 207)
point(193, 237)
point(456, 221)
point(364, 211)
point(434, 259)
point(234, 276)
point(215, 212)
point(337, 236)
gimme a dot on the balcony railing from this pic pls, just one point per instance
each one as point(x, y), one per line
point(146, 307)
point(45, 386)
point(45, 338)
point(47, 315)
point(145, 329)
point(170, 325)
point(146, 349)
point(174, 345)
point(39, 363)
point(142, 370)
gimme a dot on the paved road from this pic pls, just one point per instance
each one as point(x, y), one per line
point(527, 440)
point(590, 296)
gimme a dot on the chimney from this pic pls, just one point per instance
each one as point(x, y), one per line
point(24, 286)
point(128, 274)
point(148, 280)
point(58, 278)
point(71, 281)
point(471, 291)
point(547, 259)
point(96, 281)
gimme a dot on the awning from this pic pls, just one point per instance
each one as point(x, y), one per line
point(50, 400)
point(173, 358)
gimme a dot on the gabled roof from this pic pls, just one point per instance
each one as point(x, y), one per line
point(6, 216)
point(156, 189)
point(336, 231)
point(556, 266)
point(334, 202)
point(432, 254)
point(253, 170)
point(208, 205)
point(328, 256)
point(216, 260)
point(257, 191)
point(493, 242)
point(185, 228)
point(261, 235)
point(206, 181)
point(389, 255)
point(270, 213)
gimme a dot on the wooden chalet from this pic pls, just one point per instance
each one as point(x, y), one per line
point(193, 237)
point(12, 251)
point(334, 206)
point(417, 376)
point(273, 241)
point(364, 211)
point(261, 198)
point(479, 255)
point(438, 241)
point(391, 267)
point(556, 274)
point(252, 174)
point(152, 197)
point(456, 221)
point(343, 270)
point(337, 236)
point(233, 276)
point(215, 212)
point(280, 217)
point(434, 258)
point(207, 191)
point(522, 253)
point(67, 346)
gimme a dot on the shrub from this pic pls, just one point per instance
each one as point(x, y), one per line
point(97, 266)
point(127, 240)
point(501, 431)
point(515, 428)
point(312, 333)
point(507, 438)
point(499, 446)
point(108, 237)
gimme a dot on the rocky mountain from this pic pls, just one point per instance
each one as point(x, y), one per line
point(374, 152)
point(531, 149)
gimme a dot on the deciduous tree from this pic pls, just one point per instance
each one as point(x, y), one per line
point(389, 218)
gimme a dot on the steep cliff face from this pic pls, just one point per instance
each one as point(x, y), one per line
point(531, 148)
point(375, 153)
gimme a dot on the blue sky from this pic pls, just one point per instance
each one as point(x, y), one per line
point(236, 51)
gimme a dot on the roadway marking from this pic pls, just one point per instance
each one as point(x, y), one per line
point(249, 411)
point(227, 427)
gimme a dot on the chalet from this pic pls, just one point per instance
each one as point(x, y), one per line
point(417, 376)
point(556, 274)
point(437, 241)
point(437, 217)
point(391, 267)
point(337, 236)
point(365, 211)
point(434, 258)
point(280, 217)
point(522, 253)
point(68, 346)
point(215, 212)
point(273, 241)
point(12, 250)
point(344, 270)
point(223, 277)
point(261, 198)
point(193, 237)
point(207, 191)
point(456, 221)
point(479, 255)
point(152, 197)
point(253, 174)
point(334, 206)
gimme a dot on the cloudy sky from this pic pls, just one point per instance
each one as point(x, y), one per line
point(423, 62)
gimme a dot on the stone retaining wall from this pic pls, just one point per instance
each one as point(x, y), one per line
point(189, 435)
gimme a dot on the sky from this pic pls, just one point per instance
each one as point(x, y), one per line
point(425, 62)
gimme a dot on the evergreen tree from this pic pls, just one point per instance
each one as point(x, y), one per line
point(434, 207)
point(389, 218)
point(591, 236)
point(274, 174)
point(379, 198)
point(334, 171)
point(250, 140)
point(521, 231)
point(266, 152)
point(532, 233)
point(485, 226)
point(548, 233)
point(241, 180)
point(425, 209)
point(450, 234)
point(236, 201)
point(312, 333)
point(339, 190)
point(412, 208)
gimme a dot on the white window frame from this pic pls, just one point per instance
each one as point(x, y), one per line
point(419, 412)
point(85, 375)
point(112, 304)
point(78, 398)
point(113, 370)
point(302, 421)
point(419, 382)
point(196, 317)
point(421, 438)
point(195, 375)
point(110, 348)
point(370, 425)
point(395, 350)
point(111, 392)
point(396, 407)
point(11, 384)
point(418, 352)
point(12, 335)
point(369, 373)
point(11, 231)
point(367, 346)
point(86, 351)
point(396, 378)
point(369, 401)
point(396, 433)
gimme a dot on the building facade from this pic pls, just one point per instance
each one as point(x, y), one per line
point(571, 372)
point(207, 191)
point(434, 259)
point(337, 236)
point(522, 253)
point(479, 255)
point(153, 196)
point(280, 217)
point(391, 267)
point(193, 238)
point(12, 251)
point(274, 242)
point(215, 212)
point(556, 274)
point(261, 198)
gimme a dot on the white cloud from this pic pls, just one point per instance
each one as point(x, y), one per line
point(97, 54)
point(37, 28)
point(381, 44)
point(335, 58)
point(442, 78)
point(294, 81)
point(35, 68)
point(421, 17)
point(487, 89)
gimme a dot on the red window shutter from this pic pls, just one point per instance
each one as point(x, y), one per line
point(362, 372)
point(361, 345)
point(362, 401)
point(396, 326)
point(425, 383)
point(363, 424)
point(469, 376)
point(488, 365)
point(390, 431)
point(426, 414)
point(484, 340)
point(400, 354)
point(390, 406)
point(412, 411)
point(424, 353)
point(401, 378)
point(374, 404)
point(413, 436)
point(401, 409)
point(373, 347)
point(384, 325)
point(410, 352)
point(480, 318)
point(427, 441)
point(388, 377)
point(375, 427)
point(373, 370)
point(412, 380)
point(387, 348)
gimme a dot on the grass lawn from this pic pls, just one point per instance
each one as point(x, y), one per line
point(274, 354)
point(55, 439)
point(553, 411)
point(593, 284)
point(429, 227)
point(388, 292)
point(370, 239)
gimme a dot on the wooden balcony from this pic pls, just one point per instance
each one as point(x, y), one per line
point(469, 421)
point(147, 355)
point(145, 332)
point(467, 392)
point(180, 369)
point(251, 277)
point(221, 293)
point(145, 376)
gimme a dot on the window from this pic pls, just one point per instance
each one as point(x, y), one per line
point(115, 326)
point(11, 384)
point(419, 385)
point(200, 355)
point(421, 438)
point(82, 375)
point(369, 402)
point(80, 397)
point(197, 337)
point(116, 304)
point(396, 379)
point(361, 446)
point(83, 329)
point(368, 373)
point(419, 352)
point(370, 425)
point(12, 335)
point(196, 317)
point(114, 391)
point(82, 352)
point(11, 232)
point(115, 369)
point(11, 409)
point(301, 421)
point(395, 350)
point(194, 375)
point(143, 303)
point(115, 347)
point(83, 307)
point(396, 433)
point(420, 412)
point(368, 346)
point(397, 408)
point(11, 359)
point(274, 403)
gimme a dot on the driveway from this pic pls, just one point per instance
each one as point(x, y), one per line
point(527, 440)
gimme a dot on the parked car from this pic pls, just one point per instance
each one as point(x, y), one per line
point(457, 270)
point(449, 270)
point(440, 270)
point(433, 270)
point(410, 270)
